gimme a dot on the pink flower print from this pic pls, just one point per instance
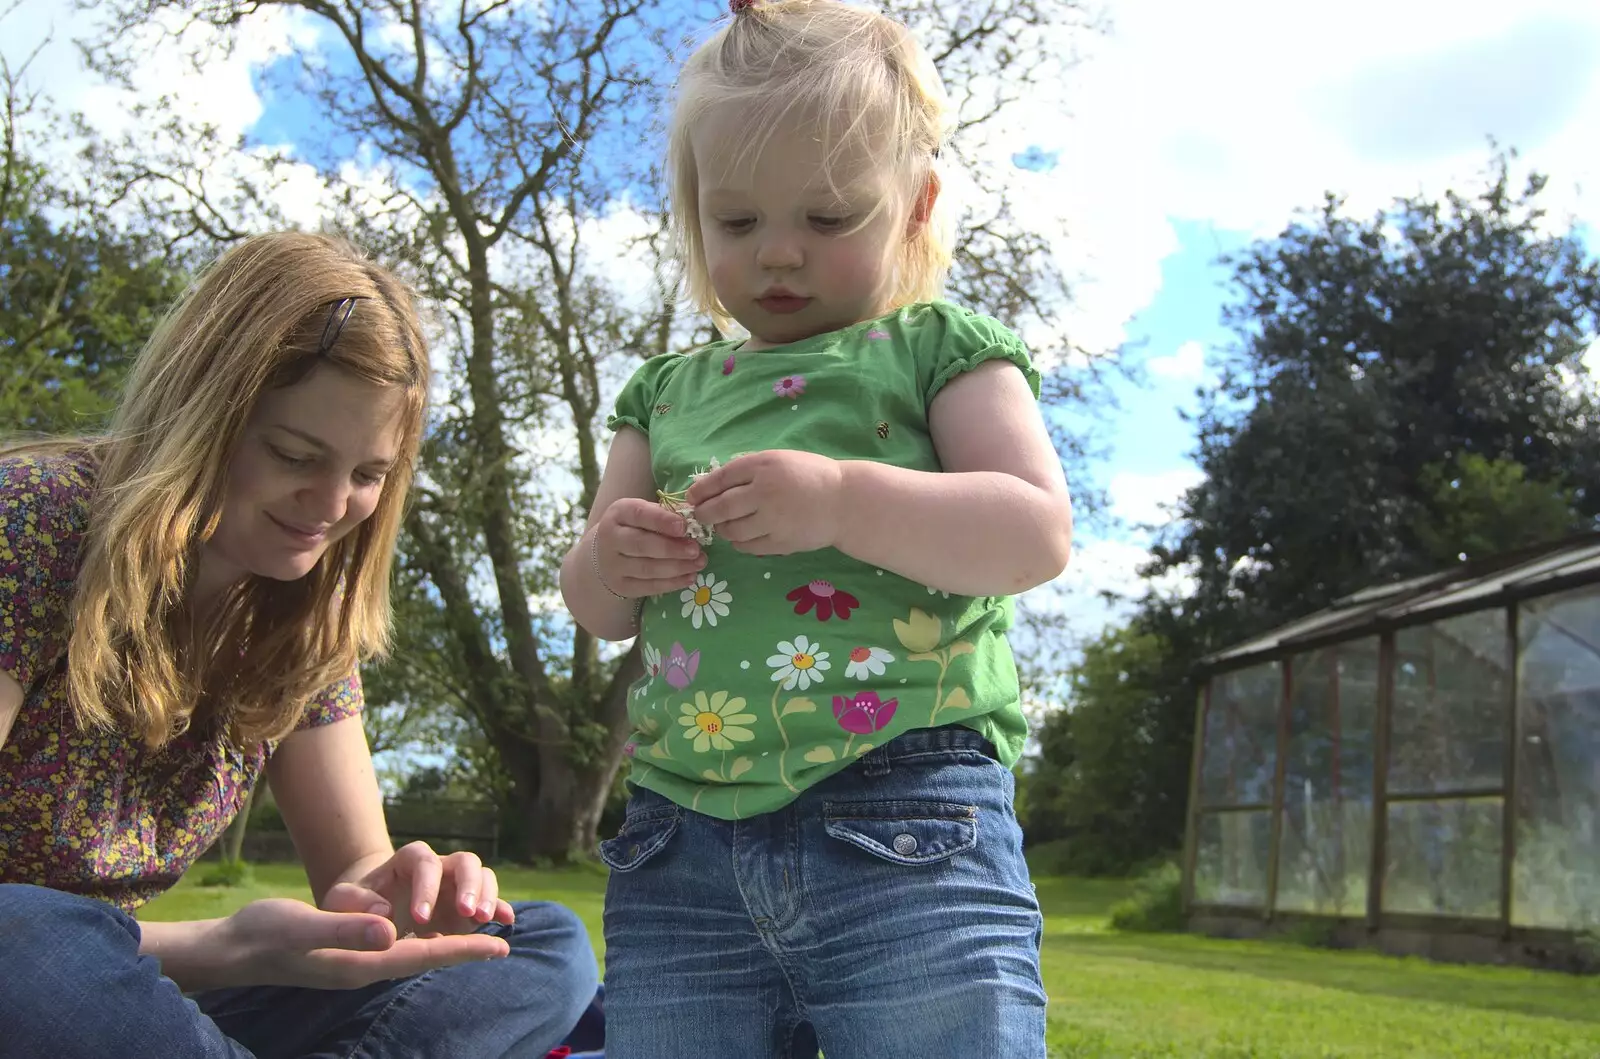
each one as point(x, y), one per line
point(863, 714)
point(628, 749)
point(790, 386)
point(727, 365)
point(877, 334)
point(827, 599)
point(681, 666)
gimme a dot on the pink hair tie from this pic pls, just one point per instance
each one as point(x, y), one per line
point(737, 6)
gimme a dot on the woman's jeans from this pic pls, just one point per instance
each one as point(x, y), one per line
point(73, 986)
point(885, 914)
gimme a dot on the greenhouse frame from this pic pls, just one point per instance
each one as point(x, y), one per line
point(1415, 768)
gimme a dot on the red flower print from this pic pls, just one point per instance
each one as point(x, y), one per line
point(863, 714)
point(790, 386)
point(727, 365)
point(827, 599)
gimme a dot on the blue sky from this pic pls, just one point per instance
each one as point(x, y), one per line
point(1185, 130)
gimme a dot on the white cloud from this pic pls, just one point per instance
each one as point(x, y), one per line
point(1186, 364)
point(1148, 499)
point(1238, 113)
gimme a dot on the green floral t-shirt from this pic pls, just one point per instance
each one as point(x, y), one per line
point(775, 672)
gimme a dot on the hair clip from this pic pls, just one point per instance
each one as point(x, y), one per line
point(335, 324)
point(737, 6)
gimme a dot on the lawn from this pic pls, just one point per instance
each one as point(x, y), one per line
point(1127, 996)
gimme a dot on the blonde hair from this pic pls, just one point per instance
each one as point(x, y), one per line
point(838, 63)
point(253, 321)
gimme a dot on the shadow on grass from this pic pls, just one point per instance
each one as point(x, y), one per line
point(1515, 990)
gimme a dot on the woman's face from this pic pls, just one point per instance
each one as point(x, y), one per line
point(309, 469)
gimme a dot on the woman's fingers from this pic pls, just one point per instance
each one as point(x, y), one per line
point(353, 897)
point(467, 872)
point(423, 869)
point(341, 968)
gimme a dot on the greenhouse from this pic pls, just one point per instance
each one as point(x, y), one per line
point(1416, 767)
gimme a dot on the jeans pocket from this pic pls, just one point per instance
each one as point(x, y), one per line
point(642, 836)
point(905, 832)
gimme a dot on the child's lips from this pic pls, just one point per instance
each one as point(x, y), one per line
point(782, 303)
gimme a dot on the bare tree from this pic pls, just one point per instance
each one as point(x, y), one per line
point(501, 146)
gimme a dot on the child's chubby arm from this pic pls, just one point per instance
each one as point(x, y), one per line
point(997, 520)
point(630, 548)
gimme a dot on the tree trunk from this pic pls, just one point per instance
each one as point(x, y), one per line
point(233, 838)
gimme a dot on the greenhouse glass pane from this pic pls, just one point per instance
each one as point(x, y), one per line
point(1556, 882)
point(1327, 797)
point(1451, 705)
point(1241, 737)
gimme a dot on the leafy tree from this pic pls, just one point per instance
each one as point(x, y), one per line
point(77, 296)
point(1407, 390)
point(1111, 775)
point(1476, 506)
point(1371, 354)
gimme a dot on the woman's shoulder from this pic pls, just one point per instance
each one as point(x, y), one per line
point(57, 482)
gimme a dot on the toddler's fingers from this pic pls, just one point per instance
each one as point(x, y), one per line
point(656, 547)
point(644, 515)
point(641, 587)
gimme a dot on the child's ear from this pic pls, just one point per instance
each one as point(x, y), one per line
point(922, 206)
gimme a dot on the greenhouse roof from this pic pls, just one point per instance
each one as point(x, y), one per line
point(1474, 585)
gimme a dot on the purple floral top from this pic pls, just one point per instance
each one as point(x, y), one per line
point(97, 813)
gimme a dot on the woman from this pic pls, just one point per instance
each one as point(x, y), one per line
point(183, 604)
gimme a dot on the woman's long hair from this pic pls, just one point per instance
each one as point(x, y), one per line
point(254, 321)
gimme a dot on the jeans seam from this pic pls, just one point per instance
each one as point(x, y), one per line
point(372, 1025)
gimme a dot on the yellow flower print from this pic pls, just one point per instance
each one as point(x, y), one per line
point(716, 723)
point(919, 633)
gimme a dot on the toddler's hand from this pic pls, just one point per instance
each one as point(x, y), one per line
point(643, 549)
point(772, 503)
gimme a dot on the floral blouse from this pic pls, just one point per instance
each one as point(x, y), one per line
point(96, 812)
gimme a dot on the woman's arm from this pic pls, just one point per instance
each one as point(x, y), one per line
point(10, 706)
point(323, 781)
point(328, 794)
point(278, 941)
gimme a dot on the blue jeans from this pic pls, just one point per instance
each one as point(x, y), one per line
point(886, 913)
point(73, 986)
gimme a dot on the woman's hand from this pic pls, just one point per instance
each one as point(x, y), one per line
point(425, 894)
point(279, 941)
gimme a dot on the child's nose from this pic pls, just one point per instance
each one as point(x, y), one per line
point(780, 250)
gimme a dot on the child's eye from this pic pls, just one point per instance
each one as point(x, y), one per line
point(367, 478)
point(737, 225)
point(827, 222)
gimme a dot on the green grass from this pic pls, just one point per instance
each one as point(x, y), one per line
point(1150, 996)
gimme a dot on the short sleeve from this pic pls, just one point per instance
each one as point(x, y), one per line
point(956, 340)
point(334, 703)
point(44, 509)
point(636, 404)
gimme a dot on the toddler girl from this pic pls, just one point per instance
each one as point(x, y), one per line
point(816, 531)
